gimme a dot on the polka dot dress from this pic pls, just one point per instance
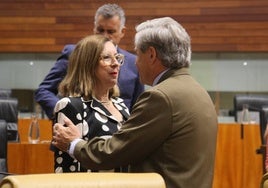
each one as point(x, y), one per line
point(92, 118)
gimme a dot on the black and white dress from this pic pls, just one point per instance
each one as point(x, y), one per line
point(92, 118)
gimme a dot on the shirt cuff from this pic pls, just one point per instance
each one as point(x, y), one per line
point(72, 146)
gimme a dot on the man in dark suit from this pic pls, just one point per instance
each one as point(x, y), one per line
point(109, 21)
point(172, 129)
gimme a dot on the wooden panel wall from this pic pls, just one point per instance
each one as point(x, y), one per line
point(214, 25)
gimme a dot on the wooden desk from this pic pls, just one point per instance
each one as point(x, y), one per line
point(237, 164)
point(26, 158)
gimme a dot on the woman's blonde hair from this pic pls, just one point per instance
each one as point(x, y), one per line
point(81, 73)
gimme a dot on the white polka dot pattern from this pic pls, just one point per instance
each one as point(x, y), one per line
point(85, 114)
point(72, 168)
point(58, 170)
point(92, 119)
point(100, 117)
point(59, 160)
point(62, 104)
point(60, 117)
point(78, 116)
point(105, 128)
point(85, 128)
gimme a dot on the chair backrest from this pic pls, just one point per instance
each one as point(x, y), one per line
point(9, 113)
point(263, 121)
point(259, 104)
point(5, 93)
point(3, 147)
point(85, 180)
point(255, 102)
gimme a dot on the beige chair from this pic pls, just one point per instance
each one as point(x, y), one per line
point(264, 181)
point(84, 180)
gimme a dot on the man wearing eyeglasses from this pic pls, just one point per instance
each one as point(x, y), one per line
point(110, 22)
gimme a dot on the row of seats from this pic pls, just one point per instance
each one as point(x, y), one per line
point(8, 126)
point(3, 147)
point(9, 113)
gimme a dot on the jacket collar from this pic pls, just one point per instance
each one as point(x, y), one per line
point(174, 72)
point(117, 102)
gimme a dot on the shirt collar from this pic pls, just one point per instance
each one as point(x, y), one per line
point(159, 76)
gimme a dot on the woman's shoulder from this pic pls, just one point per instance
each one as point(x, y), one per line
point(68, 101)
point(62, 103)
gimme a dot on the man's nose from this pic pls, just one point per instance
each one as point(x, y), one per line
point(106, 34)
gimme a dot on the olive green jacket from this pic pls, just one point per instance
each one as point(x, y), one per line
point(172, 130)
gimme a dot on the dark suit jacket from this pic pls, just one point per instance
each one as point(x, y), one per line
point(172, 131)
point(129, 84)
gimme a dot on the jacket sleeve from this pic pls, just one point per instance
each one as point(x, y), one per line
point(139, 136)
point(46, 94)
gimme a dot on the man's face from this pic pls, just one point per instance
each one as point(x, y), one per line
point(110, 28)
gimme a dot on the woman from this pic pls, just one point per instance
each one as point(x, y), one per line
point(90, 95)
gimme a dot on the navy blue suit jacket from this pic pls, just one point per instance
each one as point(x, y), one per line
point(128, 82)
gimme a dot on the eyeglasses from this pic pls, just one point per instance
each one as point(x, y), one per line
point(109, 59)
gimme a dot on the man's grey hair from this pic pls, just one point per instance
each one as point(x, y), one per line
point(109, 11)
point(168, 37)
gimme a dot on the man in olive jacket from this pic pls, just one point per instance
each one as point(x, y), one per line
point(172, 129)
